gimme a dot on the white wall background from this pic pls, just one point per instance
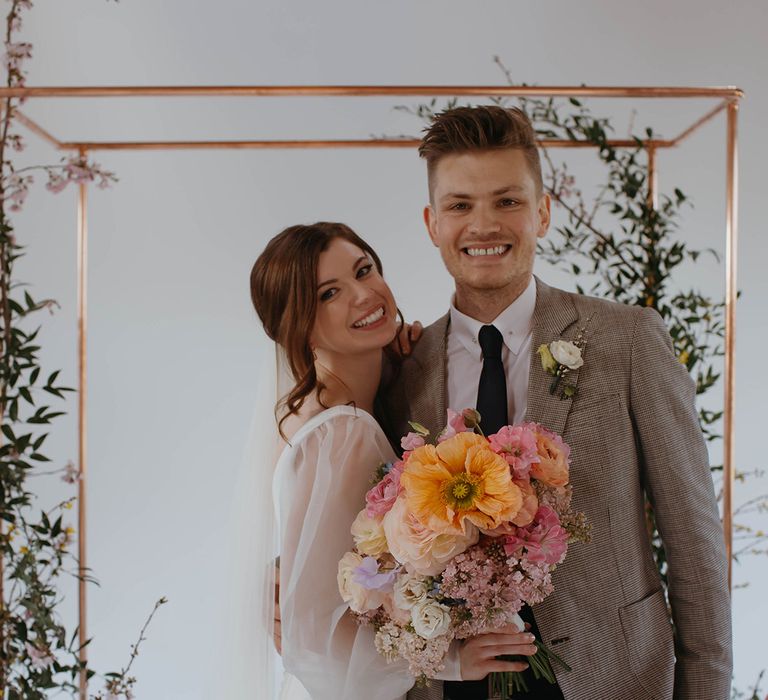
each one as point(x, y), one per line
point(172, 346)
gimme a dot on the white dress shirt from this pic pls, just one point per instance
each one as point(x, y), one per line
point(465, 357)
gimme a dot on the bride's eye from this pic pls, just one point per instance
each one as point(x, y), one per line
point(363, 271)
point(328, 294)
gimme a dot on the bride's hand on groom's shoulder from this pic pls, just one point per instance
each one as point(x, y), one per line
point(478, 654)
point(407, 338)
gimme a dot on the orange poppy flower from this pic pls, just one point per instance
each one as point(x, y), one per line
point(460, 479)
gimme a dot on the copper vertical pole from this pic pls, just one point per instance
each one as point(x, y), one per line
point(82, 308)
point(653, 184)
point(731, 230)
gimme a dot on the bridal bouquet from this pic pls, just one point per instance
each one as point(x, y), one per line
point(457, 536)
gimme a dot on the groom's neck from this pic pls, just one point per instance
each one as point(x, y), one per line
point(485, 305)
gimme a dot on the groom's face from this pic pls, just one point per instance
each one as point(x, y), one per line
point(485, 216)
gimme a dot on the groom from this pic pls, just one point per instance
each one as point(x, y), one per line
point(632, 427)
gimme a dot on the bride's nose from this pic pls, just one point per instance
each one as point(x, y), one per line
point(362, 293)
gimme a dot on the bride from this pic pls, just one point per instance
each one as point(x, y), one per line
point(320, 295)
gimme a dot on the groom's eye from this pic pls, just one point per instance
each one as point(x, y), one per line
point(506, 202)
point(459, 206)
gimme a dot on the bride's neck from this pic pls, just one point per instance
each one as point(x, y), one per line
point(349, 379)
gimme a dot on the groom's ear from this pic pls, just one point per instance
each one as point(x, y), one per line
point(545, 214)
point(429, 222)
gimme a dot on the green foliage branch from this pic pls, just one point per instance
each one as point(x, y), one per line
point(37, 654)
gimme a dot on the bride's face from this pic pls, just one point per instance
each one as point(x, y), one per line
point(356, 311)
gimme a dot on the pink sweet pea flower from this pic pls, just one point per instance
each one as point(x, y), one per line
point(517, 444)
point(412, 441)
point(380, 499)
point(544, 540)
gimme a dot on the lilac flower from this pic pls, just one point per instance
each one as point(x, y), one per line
point(367, 575)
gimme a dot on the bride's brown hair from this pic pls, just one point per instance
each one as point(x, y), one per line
point(284, 294)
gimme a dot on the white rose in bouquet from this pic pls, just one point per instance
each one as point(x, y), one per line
point(430, 619)
point(409, 590)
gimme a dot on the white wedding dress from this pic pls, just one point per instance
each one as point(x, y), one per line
point(319, 487)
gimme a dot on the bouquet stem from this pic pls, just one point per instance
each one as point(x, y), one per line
point(504, 685)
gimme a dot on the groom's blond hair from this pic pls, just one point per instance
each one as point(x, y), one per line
point(481, 128)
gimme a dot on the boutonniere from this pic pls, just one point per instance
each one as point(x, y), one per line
point(559, 358)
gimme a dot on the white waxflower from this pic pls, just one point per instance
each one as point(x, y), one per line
point(566, 353)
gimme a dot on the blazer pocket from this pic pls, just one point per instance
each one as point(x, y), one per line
point(649, 644)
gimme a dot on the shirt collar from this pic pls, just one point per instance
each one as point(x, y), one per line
point(514, 323)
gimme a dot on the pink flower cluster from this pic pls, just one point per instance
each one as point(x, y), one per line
point(517, 444)
point(78, 170)
point(543, 541)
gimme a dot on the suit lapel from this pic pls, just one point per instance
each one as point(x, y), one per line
point(553, 314)
point(426, 380)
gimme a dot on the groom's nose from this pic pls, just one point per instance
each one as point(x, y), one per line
point(484, 220)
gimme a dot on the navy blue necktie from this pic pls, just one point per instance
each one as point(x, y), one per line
point(492, 390)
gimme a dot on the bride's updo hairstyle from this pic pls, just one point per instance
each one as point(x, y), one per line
point(284, 294)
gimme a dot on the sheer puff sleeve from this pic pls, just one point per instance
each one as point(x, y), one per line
point(320, 490)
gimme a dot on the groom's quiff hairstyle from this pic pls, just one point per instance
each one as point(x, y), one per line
point(481, 128)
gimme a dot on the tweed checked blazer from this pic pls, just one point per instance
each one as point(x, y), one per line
point(632, 428)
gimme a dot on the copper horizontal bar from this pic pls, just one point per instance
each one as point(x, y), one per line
point(700, 122)
point(290, 144)
point(369, 91)
point(35, 128)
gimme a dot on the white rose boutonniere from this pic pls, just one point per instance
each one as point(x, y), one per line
point(566, 353)
point(560, 357)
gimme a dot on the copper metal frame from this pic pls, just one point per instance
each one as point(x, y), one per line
point(728, 99)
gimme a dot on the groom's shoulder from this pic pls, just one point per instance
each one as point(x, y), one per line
point(431, 342)
point(602, 311)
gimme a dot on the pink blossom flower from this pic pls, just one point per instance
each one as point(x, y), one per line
point(15, 53)
point(412, 441)
point(40, 659)
point(71, 473)
point(380, 499)
point(517, 444)
point(456, 424)
point(544, 540)
point(56, 183)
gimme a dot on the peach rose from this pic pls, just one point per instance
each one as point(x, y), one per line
point(554, 458)
point(421, 550)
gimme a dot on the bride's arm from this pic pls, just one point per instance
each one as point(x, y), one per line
point(322, 644)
